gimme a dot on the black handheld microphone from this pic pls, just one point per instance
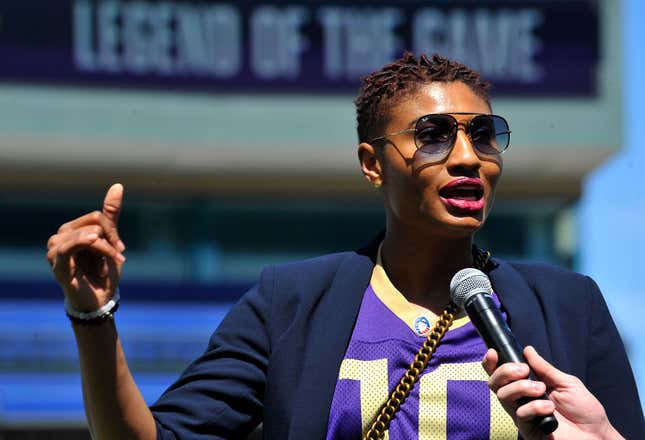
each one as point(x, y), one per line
point(471, 290)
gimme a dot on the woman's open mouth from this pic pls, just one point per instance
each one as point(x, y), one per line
point(464, 194)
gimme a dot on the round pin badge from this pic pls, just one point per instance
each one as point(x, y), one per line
point(422, 325)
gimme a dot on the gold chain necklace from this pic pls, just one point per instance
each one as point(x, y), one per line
point(402, 390)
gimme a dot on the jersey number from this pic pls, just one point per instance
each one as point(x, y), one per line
point(433, 396)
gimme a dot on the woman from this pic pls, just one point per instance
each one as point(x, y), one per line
point(316, 347)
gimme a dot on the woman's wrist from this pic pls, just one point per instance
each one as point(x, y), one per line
point(94, 317)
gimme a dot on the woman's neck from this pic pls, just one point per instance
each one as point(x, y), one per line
point(422, 265)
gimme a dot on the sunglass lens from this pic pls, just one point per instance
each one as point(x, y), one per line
point(489, 134)
point(435, 134)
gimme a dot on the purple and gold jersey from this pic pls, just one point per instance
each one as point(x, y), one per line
point(451, 399)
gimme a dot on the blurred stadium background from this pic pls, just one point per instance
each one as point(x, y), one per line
point(231, 125)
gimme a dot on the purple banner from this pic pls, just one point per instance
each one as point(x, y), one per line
point(522, 47)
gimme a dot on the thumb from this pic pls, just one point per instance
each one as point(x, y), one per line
point(112, 203)
point(545, 372)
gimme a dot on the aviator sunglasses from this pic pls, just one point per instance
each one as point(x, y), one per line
point(435, 134)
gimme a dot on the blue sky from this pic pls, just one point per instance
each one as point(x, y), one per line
point(612, 209)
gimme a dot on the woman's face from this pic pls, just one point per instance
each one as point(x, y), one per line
point(450, 197)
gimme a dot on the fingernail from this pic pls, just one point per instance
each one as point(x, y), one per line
point(536, 385)
point(121, 246)
point(120, 258)
point(92, 236)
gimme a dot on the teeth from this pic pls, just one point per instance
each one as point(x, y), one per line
point(466, 198)
point(463, 194)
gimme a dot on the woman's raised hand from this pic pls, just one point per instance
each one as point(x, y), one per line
point(580, 415)
point(86, 254)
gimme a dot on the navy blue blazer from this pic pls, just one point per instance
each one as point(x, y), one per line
point(275, 358)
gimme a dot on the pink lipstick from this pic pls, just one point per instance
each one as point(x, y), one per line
point(464, 193)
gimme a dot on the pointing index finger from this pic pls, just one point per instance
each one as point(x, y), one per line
point(112, 203)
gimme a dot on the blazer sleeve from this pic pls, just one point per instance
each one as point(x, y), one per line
point(609, 375)
point(220, 395)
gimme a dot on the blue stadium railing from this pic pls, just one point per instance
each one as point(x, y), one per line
point(162, 327)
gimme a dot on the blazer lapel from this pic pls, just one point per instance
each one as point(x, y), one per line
point(523, 307)
point(331, 329)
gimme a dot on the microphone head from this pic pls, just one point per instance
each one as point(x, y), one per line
point(466, 283)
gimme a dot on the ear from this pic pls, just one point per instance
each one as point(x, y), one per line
point(370, 164)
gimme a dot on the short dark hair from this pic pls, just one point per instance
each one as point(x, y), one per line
point(401, 78)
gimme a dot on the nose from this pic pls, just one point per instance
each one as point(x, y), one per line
point(463, 155)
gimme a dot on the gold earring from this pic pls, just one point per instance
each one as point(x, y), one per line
point(377, 184)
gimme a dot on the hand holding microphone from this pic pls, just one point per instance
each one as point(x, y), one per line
point(580, 414)
point(471, 289)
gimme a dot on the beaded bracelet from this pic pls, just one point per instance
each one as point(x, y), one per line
point(96, 317)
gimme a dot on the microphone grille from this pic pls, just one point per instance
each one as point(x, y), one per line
point(466, 283)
